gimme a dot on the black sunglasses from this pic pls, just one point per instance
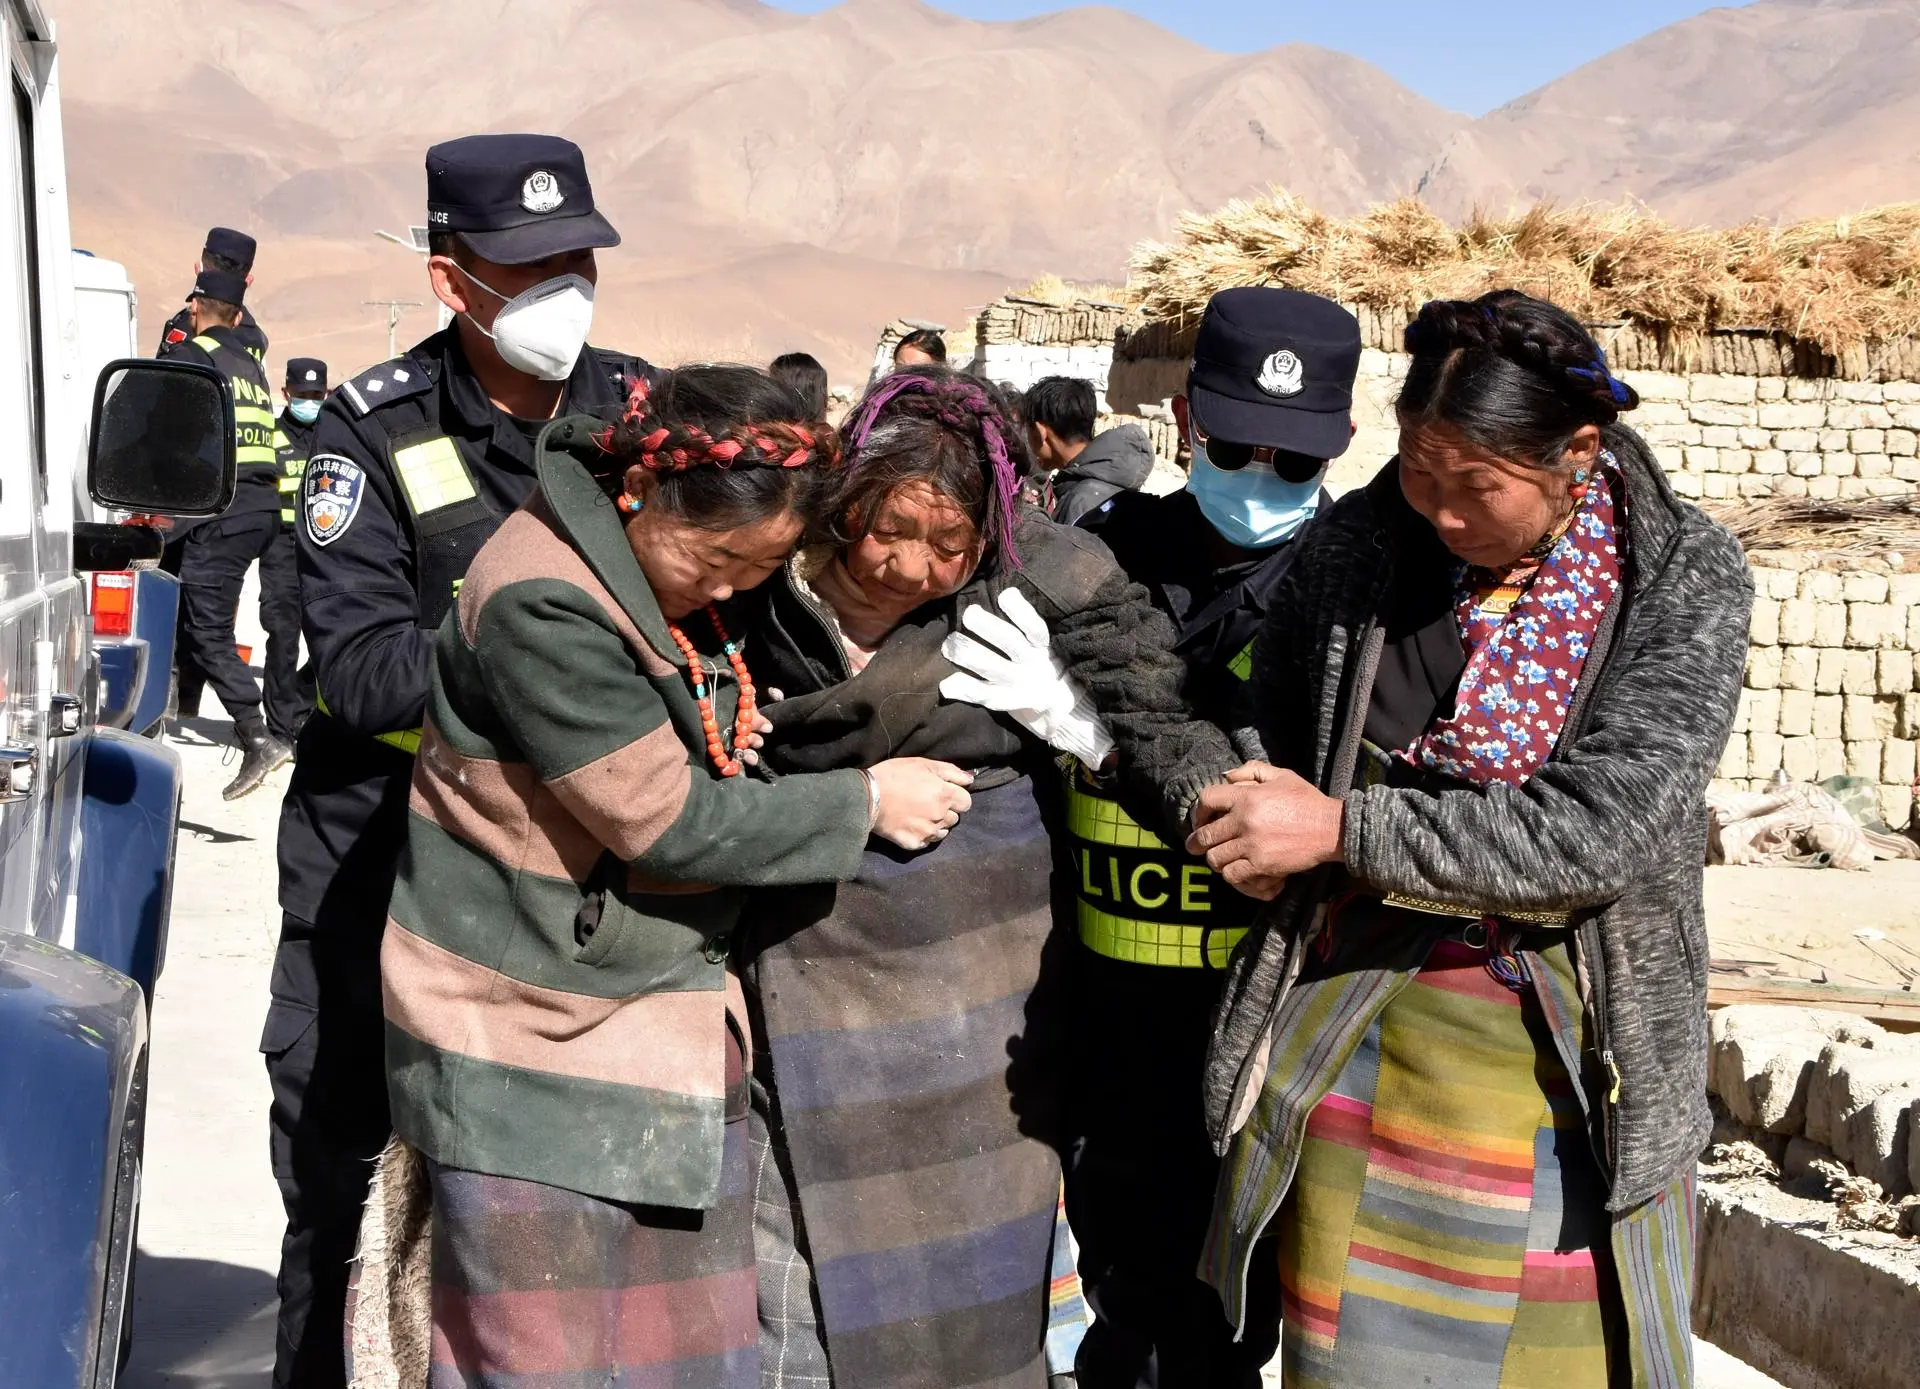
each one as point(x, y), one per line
point(1230, 457)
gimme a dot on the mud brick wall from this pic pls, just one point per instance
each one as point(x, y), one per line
point(1832, 686)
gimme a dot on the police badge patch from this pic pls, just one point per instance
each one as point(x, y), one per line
point(332, 491)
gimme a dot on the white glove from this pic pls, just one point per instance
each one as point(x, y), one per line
point(1007, 664)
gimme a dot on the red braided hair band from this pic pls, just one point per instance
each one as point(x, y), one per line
point(667, 449)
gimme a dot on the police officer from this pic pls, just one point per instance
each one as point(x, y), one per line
point(232, 252)
point(1268, 402)
point(215, 554)
point(289, 689)
point(415, 463)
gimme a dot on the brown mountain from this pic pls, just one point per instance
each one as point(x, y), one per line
point(1780, 109)
point(782, 181)
point(789, 181)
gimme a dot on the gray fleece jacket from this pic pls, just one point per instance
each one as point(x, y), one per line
point(1612, 828)
point(1118, 460)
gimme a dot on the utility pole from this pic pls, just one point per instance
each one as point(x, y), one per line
point(393, 308)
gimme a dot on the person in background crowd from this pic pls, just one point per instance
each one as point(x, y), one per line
point(923, 347)
point(1460, 1069)
point(801, 373)
point(1082, 472)
point(230, 252)
point(909, 1063)
point(289, 689)
point(216, 554)
point(414, 465)
point(566, 1040)
point(1268, 402)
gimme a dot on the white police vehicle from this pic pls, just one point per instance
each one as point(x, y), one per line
point(88, 812)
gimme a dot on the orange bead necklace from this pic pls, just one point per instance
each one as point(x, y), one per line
point(729, 765)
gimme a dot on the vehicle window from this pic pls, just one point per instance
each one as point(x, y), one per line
point(25, 199)
point(21, 405)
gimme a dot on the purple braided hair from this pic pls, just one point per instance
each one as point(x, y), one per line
point(975, 402)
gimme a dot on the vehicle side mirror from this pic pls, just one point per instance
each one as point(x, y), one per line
point(163, 439)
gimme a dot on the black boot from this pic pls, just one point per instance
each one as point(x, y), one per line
point(262, 753)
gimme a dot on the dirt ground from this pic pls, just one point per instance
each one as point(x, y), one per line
point(1801, 922)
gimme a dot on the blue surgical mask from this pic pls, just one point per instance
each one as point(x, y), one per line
point(1252, 507)
point(305, 411)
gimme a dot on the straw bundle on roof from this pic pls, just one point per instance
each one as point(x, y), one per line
point(1832, 283)
point(1873, 526)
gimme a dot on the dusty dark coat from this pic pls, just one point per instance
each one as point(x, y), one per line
point(912, 1016)
point(1612, 828)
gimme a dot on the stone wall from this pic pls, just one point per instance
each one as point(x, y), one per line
point(1833, 681)
point(1833, 675)
point(1842, 1087)
point(1721, 436)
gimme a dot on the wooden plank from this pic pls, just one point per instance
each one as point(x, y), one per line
point(1893, 1008)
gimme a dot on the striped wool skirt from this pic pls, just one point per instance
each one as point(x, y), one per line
point(1447, 1221)
point(535, 1287)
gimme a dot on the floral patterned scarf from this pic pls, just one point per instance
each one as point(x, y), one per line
point(1527, 630)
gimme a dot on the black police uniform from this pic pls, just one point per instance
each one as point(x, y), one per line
point(236, 248)
point(1141, 1173)
point(412, 470)
point(179, 331)
point(289, 688)
point(215, 554)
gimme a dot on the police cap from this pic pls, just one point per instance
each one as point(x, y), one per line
point(232, 245)
point(514, 199)
point(306, 374)
point(1275, 368)
point(224, 285)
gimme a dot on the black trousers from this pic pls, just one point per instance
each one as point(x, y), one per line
point(1140, 1181)
point(324, 1045)
point(289, 690)
point(213, 567)
point(189, 679)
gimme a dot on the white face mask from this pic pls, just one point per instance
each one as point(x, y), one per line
point(541, 330)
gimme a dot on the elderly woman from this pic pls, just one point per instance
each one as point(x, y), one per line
point(565, 1039)
point(1460, 1069)
point(910, 1078)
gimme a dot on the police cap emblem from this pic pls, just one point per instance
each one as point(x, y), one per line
point(1281, 375)
point(541, 192)
point(331, 493)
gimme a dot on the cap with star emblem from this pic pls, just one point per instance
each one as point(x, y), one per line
point(514, 199)
point(1275, 368)
point(306, 374)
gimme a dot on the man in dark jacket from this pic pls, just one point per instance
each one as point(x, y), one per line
point(1268, 403)
point(1083, 472)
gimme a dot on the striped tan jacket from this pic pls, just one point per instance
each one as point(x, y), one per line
point(554, 963)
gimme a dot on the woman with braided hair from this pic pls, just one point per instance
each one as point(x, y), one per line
point(565, 1038)
point(909, 1057)
point(1459, 1072)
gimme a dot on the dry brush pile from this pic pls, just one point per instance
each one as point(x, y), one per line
point(1833, 283)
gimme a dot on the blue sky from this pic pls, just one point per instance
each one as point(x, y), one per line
point(1470, 55)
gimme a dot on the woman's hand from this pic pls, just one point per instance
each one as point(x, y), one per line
point(1264, 826)
point(1253, 773)
point(921, 800)
point(762, 726)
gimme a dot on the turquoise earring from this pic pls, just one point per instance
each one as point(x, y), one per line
point(630, 503)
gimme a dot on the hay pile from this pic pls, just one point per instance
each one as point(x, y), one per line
point(1832, 283)
point(1851, 529)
